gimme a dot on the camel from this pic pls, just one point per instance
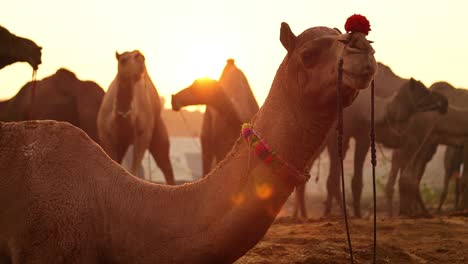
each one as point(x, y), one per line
point(391, 114)
point(423, 134)
point(17, 49)
point(453, 159)
point(453, 155)
point(356, 126)
point(214, 129)
point(69, 202)
point(209, 92)
point(130, 113)
point(62, 97)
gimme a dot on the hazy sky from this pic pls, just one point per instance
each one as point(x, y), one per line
point(184, 40)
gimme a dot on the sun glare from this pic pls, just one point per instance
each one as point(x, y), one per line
point(205, 61)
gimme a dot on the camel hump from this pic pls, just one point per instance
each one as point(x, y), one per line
point(47, 131)
point(65, 73)
point(237, 88)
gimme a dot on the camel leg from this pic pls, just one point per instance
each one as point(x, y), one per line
point(206, 137)
point(464, 180)
point(426, 155)
point(459, 168)
point(333, 181)
point(361, 149)
point(407, 189)
point(140, 144)
point(299, 205)
point(138, 153)
point(457, 192)
point(450, 166)
point(443, 196)
point(159, 148)
point(392, 176)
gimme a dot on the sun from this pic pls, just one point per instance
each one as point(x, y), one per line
point(205, 60)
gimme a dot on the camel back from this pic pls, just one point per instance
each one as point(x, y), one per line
point(61, 97)
point(237, 87)
point(456, 96)
point(386, 81)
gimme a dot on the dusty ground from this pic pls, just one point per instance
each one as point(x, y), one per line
point(441, 239)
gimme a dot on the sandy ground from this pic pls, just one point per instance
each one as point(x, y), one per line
point(441, 239)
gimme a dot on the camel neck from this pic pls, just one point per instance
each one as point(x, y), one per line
point(124, 95)
point(224, 106)
point(453, 123)
point(5, 113)
point(220, 217)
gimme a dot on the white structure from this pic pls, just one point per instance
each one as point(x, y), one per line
point(185, 154)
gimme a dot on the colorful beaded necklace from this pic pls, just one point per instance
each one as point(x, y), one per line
point(268, 156)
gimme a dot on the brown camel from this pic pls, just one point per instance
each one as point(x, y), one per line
point(215, 130)
point(391, 113)
point(17, 49)
point(131, 114)
point(356, 126)
point(69, 202)
point(453, 155)
point(62, 97)
point(453, 159)
point(423, 134)
point(210, 93)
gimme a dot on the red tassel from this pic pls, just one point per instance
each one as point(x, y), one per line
point(357, 23)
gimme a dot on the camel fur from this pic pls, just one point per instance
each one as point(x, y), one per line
point(131, 114)
point(216, 136)
point(70, 203)
point(391, 115)
point(62, 97)
point(424, 133)
point(17, 49)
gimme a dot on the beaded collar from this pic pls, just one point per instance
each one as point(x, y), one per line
point(269, 157)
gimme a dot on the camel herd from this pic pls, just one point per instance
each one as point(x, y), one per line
point(72, 202)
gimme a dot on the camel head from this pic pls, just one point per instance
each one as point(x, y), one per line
point(313, 64)
point(131, 64)
point(202, 91)
point(414, 97)
point(17, 49)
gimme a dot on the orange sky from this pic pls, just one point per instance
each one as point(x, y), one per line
point(184, 40)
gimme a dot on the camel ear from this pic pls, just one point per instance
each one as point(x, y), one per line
point(117, 55)
point(338, 30)
point(343, 38)
point(287, 37)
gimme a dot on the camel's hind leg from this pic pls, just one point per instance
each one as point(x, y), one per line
point(392, 176)
point(140, 144)
point(159, 148)
point(443, 196)
point(360, 153)
point(334, 176)
point(299, 203)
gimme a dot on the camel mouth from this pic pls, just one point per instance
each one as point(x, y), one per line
point(175, 105)
point(357, 81)
point(365, 75)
